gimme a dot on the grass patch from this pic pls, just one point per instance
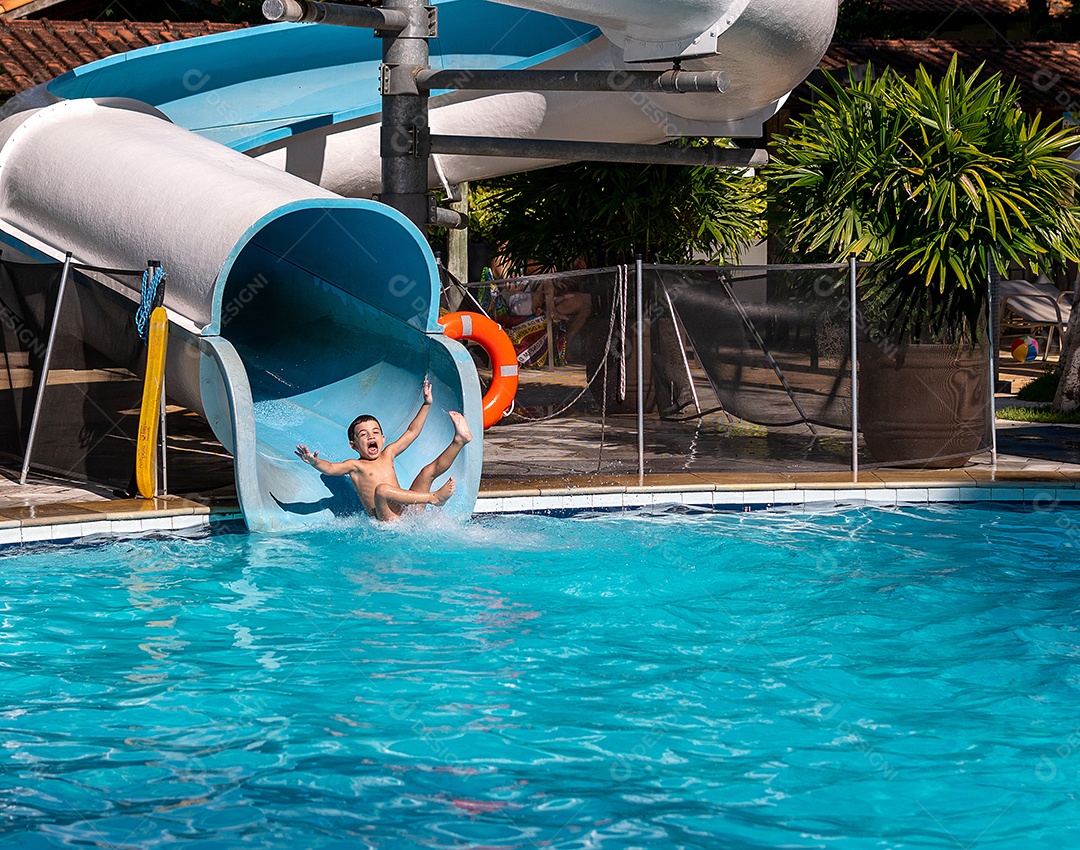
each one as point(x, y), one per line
point(1042, 388)
point(1042, 415)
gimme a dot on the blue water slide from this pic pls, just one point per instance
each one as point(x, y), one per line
point(255, 86)
point(292, 309)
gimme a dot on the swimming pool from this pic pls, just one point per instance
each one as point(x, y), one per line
point(850, 679)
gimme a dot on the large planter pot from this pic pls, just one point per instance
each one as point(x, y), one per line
point(924, 406)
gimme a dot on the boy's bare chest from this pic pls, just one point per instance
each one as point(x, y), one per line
point(374, 472)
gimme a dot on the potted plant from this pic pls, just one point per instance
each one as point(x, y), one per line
point(938, 183)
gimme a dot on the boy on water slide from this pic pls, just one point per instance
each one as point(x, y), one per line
point(373, 474)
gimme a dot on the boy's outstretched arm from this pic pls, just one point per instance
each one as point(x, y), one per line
point(326, 467)
point(416, 426)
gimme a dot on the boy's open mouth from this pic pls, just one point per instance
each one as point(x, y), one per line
point(373, 445)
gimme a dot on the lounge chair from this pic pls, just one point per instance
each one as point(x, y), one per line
point(1033, 307)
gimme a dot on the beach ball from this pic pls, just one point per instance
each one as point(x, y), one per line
point(1025, 349)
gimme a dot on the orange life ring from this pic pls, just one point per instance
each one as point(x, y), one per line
point(504, 364)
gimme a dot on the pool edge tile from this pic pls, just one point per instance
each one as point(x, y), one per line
point(943, 494)
point(1013, 495)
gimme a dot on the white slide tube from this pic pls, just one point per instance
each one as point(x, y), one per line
point(768, 49)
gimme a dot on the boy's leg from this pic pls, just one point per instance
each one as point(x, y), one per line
point(462, 436)
point(390, 499)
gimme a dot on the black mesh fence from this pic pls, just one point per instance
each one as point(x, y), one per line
point(27, 301)
point(775, 343)
point(745, 369)
point(89, 413)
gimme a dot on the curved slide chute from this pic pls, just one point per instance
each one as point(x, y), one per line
point(293, 309)
point(243, 162)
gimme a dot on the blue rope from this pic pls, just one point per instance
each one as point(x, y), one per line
point(150, 288)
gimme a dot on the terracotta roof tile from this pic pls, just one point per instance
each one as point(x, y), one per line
point(33, 52)
point(1048, 72)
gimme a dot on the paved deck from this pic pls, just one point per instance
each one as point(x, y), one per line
point(577, 461)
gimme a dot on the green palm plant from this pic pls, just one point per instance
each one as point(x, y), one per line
point(937, 183)
point(602, 213)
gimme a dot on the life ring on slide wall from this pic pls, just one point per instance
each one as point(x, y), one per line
point(504, 364)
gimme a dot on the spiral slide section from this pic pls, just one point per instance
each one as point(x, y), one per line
point(305, 97)
point(246, 161)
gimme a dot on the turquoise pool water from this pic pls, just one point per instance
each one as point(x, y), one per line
point(853, 679)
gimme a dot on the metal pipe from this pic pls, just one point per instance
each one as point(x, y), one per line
point(854, 309)
point(710, 156)
point(405, 147)
point(448, 218)
point(309, 11)
point(669, 82)
point(640, 379)
point(45, 367)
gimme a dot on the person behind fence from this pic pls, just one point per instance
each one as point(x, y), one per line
point(570, 305)
point(373, 474)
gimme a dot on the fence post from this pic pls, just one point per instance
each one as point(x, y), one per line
point(640, 379)
point(994, 328)
point(45, 367)
point(994, 336)
point(164, 447)
point(854, 309)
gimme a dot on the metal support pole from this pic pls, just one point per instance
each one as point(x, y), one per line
point(45, 367)
point(638, 317)
point(993, 335)
point(164, 446)
point(711, 156)
point(994, 328)
point(406, 139)
point(854, 309)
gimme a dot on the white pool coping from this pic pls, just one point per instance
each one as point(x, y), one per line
point(69, 523)
point(763, 499)
point(72, 522)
